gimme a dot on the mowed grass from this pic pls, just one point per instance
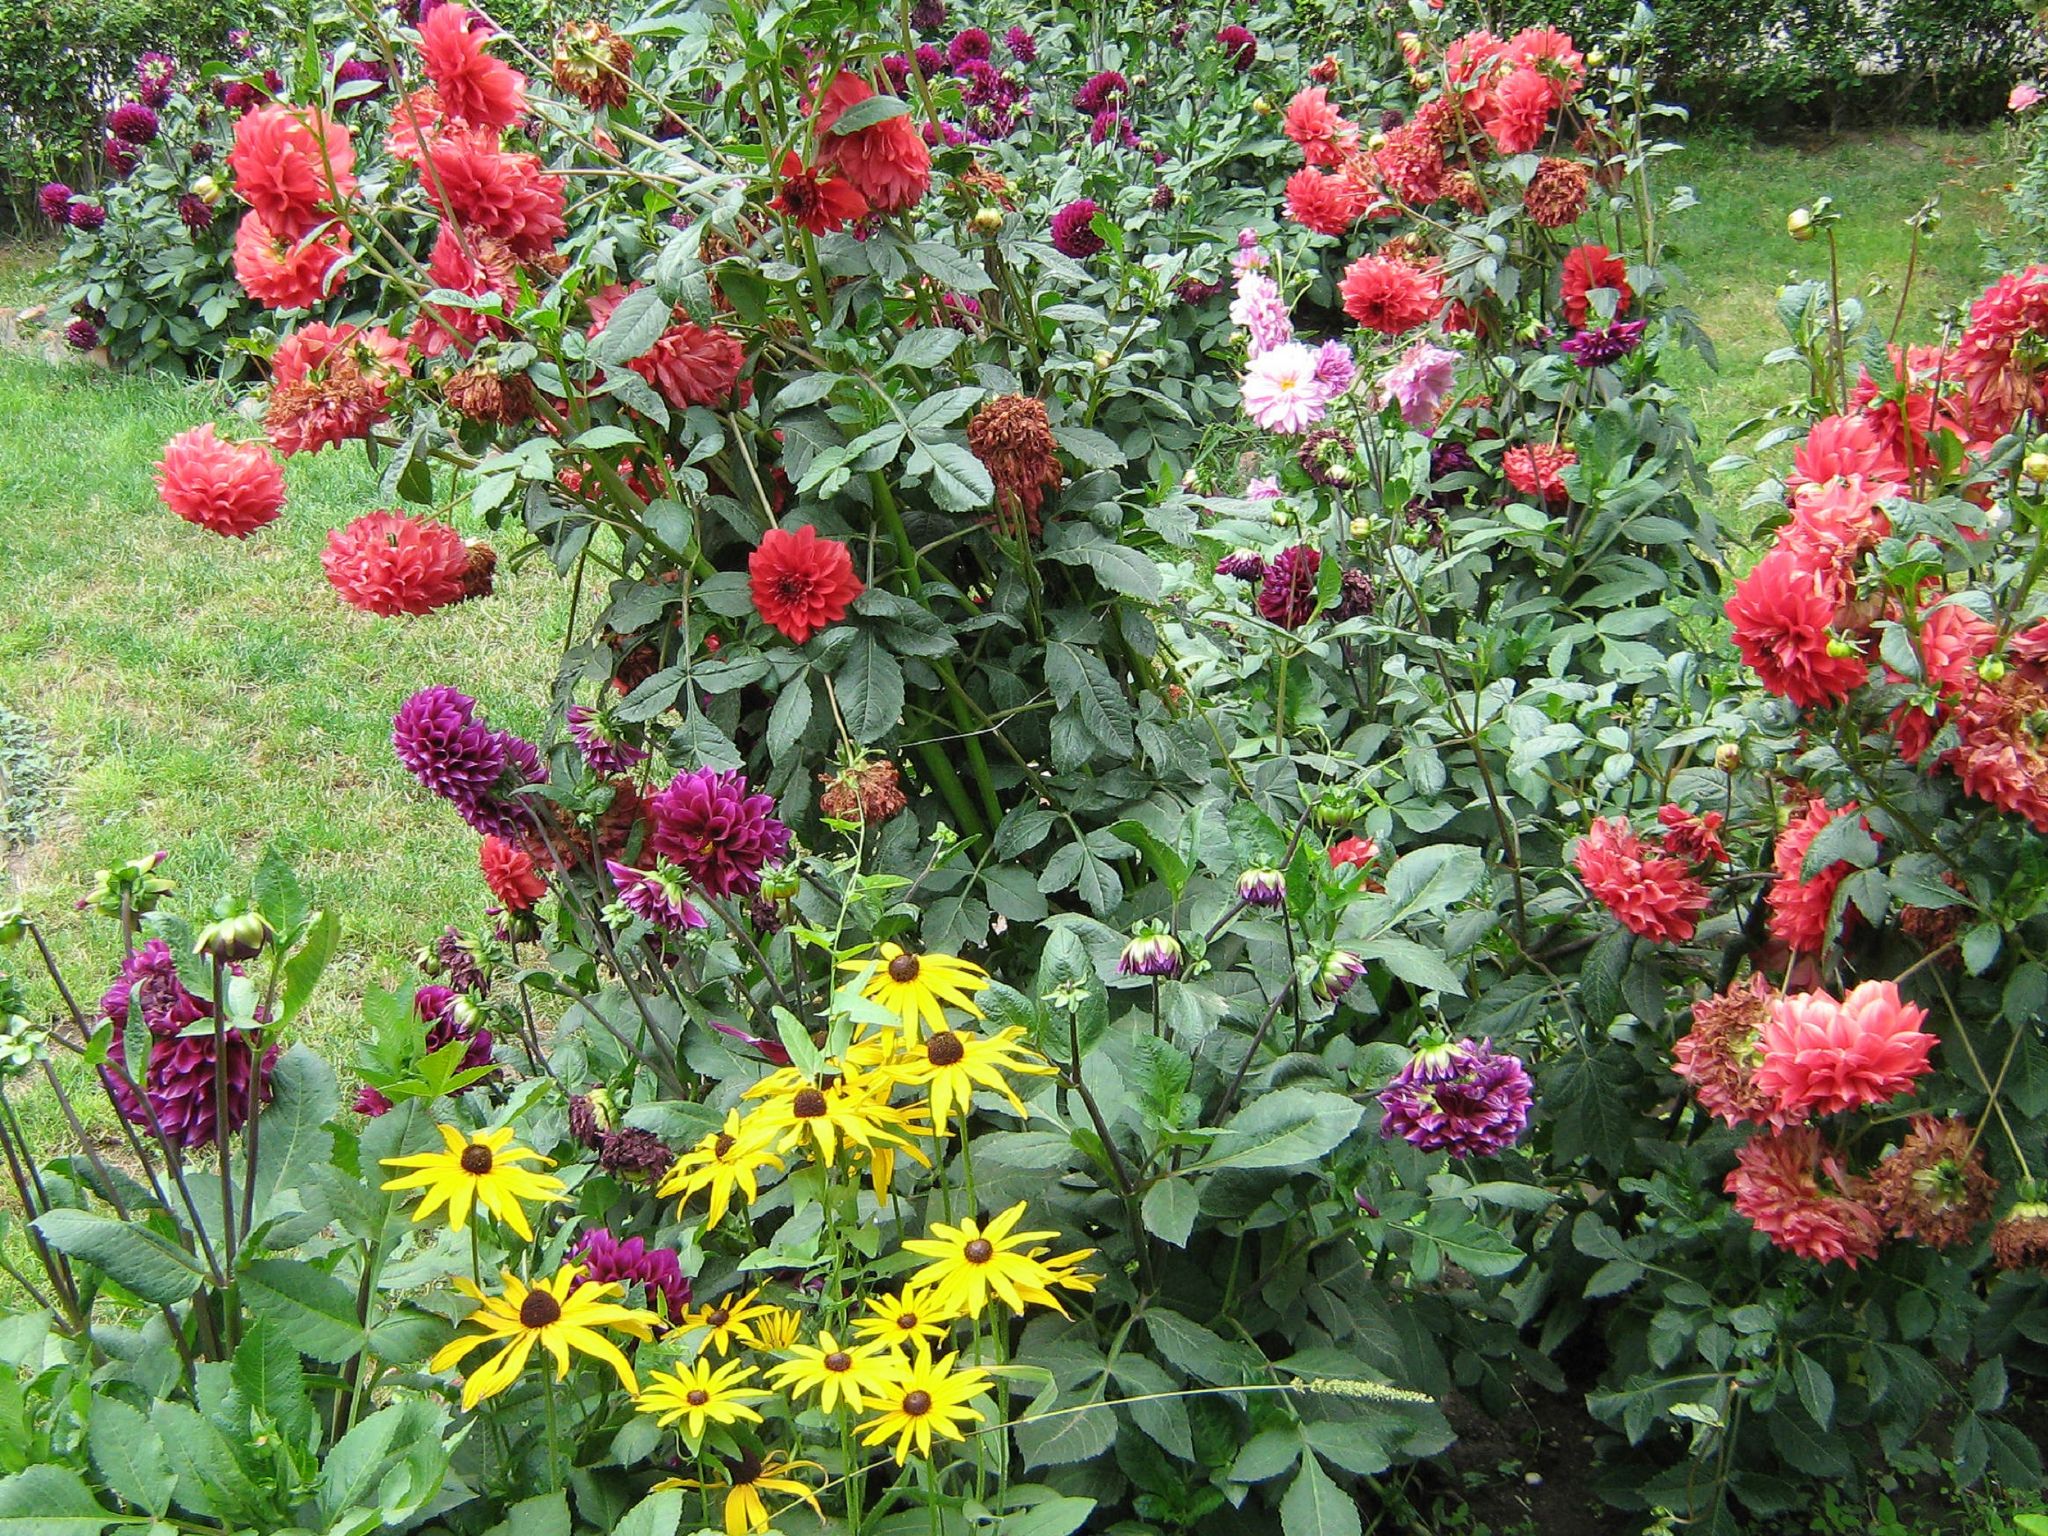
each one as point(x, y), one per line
point(209, 697)
point(1730, 254)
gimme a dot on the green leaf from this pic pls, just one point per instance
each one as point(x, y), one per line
point(653, 695)
point(1195, 1351)
point(1062, 1438)
point(49, 1501)
point(1315, 1506)
point(266, 1371)
point(1586, 1104)
point(634, 328)
point(1117, 568)
point(292, 1138)
point(789, 719)
point(869, 687)
point(1053, 1517)
point(1094, 449)
point(307, 964)
point(153, 1268)
point(1291, 1128)
point(545, 1514)
point(656, 1515)
point(1266, 1455)
point(938, 260)
point(374, 1461)
point(925, 347)
point(279, 899)
point(316, 1311)
point(1416, 964)
point(958, 481)
point(1169, 1209)
point(1432, 878)
point(129, 1455)
point(865, 114)
point(1078, 679)
point(1816, 1388)
point(1165, 862)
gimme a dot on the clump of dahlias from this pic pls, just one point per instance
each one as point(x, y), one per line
point(1934, 1185)
point(592, 63)
point(608, 1260)
point(1012, 436)
point(1650, 893)
point(868, 793)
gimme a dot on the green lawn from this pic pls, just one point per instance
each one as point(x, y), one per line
point(208, 698)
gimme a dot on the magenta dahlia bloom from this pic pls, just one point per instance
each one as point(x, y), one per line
point(596, 737)
point(443, 744)
point(717, 830)
point(1239, 46)
point(1072, 234)
point(1262, 887)
point(156, 74)
point(611, 1260)
point(54, 198)
point(1022, 45)
point(1287, 595)
point(657, 895)
point(931, 59)
point(451, 1021)
point(179, 1082)
point(1156, 955)
point(120, 155)
point(133, 123)
point(1464, 1099)
point(1106, 89)
point(194, 213)
point(969, 43)
point(1597, 348)
point(1242, 565)
point(82, 335)
point(85, 215)
point(928, 15)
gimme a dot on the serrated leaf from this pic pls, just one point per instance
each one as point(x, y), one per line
point(869, 688)
point(1169, 1210)
point(1315, 1506)
point(312, 1308)
point(129, 1455)
point(958, 481)
point(1293, 1127)
point(151, 1266)
point(1063, 1437)
point(789, 719)
point(1095, 449)
point(633, 328)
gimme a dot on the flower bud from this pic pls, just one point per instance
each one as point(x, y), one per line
point(1728, 756)
point(1377, 142)
point(781, 885)
point(1361, 528)
point(207, 190)
point(1280, 517)
point(1841, 647)
point(1336, 806)
point(1263, 107)
point(1595, 57)
point(2035, 465)
point(1154, 954)
point(988, 220)
point(1799, 223)
point(1262, 887)
point(1336, 973)
point(1991, 669)
point(1103, 360)
point(232, 940)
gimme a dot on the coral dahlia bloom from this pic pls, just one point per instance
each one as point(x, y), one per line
point(478, 266)
point(331, 384)
point(281, 272)
point(289, 162)
point(1585, 268)
point(888, 162)
point(227, 488)
point(509, 197)
point(2001, 359)
point(1390, 296)
point(1835, 521)
point(509, 872)
point(1326, 139)
point(820, 203)
point(414, 123)
point(1720, 1053)
point(801, 583)
point(1410, 163)
point(1537, 470)
point(1839, 446)
point(1324, 202)
point(1778, 1184)
point(472, 86)
point(1826, 1057)
point(1800, 907)
point(1782, 613)
point(2002, 758)
point(388, 563)
point(1690, 836)
point(1551, 55)
point(1519, 111)
point(1652, 894)
point(1282, 391)
point(717, 830)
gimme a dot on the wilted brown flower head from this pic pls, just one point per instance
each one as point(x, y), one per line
point(2020, 1240)
point(1012, 436)
point(481, 393)
point(1934, 1187)
point(478, 574)
point(870, 793)
point(593, 64)
point(1557, 193)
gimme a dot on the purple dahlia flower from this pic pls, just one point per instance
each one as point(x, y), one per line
point(931, 59)
point(54, 199)
point(179, 1081)
point(82, 335)
point(1262, 888)
point(1072, 230)
point(1239, 46)
point(1242, 565)
point(155, 76)
point(1022, 45)
point(194, 213)
point(1597, 348)
point(658, 895)
point(1287, 595)
point(969, 43)
point(442, 744)
point(1151, 954)
point(461, 963)
point(928, 15)
point(634, 1154)
point(596, 737)
point(133, 123)
point(450, 1020)
point(1464, 1099)
point(718, 830)
point(1105, 89)
point(85, 215)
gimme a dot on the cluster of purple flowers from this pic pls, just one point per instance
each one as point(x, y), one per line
point(156, 76)
point(994, 100)
point(179, 1093)
point(1287, 592)
point(1463, 1098)
point(443, 744)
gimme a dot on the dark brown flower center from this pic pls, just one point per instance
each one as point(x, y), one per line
point(723, 1146)
point(476, 1160)
point(917, 1404)
point(809, 1104)
point(904, 968)
point(718, 1317)
point(539, 1309)
point(792, 587)
point(945, 1049)
point(979, 1251)
point(907, 1321)
point(839, 1360)
point(696, 1397)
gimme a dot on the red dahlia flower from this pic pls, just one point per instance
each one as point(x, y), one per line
point(888, 162)
point(1585, 268)
point(414, 123)
point(1410, 163)
point(1326, 139)
point(1777, 1184)
point(1550, 54)
point(330, 385)
point(1783, 612)
point(509, 872)
point(1390, 296)
point(1801, 908)
point(1519, 111)
point(1826, 1057)
point(1557, 193)
point(388, 563)
point(288, 163)
point(2003, 358)
point(509, 197)
point(1325, 202)
point(282, 272)
point(1690, 836)
point(473, 87)
point(801, 583)
point(474, 264)
point(1537, 470)
point(2001, 757)
point(818, 202)
point(1649, 893)
point(691, 365)
point(1471, 65)
point(1840, 446)
point(227, 488)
